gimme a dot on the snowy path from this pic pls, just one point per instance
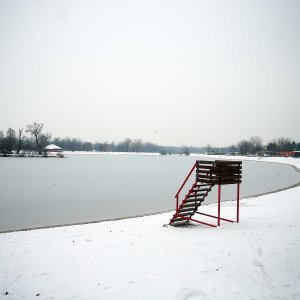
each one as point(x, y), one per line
point(139, 258)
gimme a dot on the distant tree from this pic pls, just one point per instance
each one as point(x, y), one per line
point(127, 144)
point(256, 144)
point(137, 145)
point(2, 143)
point(58, 142)
point(208, 148)
point(244, 147)
point(7, 142)
point(87, 146)
point(112, 147)
point(102, 147)
point(233, 150)
point(186, 150)
point(285, 144)
point(150, 147)
point(44, 139)
point(20, 140)
point(29, 144)
point(105, 147)
point(62, 143)
point(41, 140)
point(35, 130)
point(10, 140)
point(73, 144)
point(272, 147)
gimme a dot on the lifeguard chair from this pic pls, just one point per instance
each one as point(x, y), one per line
point(208, 175)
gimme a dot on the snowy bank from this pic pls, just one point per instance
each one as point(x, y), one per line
point(140, 258)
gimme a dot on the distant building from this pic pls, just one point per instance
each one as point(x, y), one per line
point(53, 151)
point(289, 153)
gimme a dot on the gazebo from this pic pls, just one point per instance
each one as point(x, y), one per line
point(53, 151)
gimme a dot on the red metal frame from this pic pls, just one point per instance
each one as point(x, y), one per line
point(207, 215)
point(218, 217)
point(197, 221)
point(183, 184)
point(238, 204)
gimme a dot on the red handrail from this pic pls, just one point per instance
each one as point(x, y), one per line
point(184, 182)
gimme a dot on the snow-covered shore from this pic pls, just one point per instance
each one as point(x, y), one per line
point(140, 258)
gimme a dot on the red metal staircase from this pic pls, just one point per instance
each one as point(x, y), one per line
point(208, 174)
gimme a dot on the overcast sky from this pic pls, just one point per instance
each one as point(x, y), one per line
point(169, 72)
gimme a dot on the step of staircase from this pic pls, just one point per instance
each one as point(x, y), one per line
point(179, 223)
point(186, 209)
point(192, 200)
point(187, 205)
point(202, 189)
point(197, 195)
point(178, 219)
point(188, 213)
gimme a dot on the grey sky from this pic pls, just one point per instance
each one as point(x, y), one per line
point(171, 72)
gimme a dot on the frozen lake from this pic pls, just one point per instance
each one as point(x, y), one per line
point(36, 192)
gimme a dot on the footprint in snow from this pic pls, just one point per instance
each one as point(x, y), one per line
point(190, 294)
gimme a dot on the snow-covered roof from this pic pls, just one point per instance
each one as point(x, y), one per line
point(52, 147)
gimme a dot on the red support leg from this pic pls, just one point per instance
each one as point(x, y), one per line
point(238, 204)
point(207, 215)
point(219, 204)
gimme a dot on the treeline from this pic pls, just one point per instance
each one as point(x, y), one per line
point(17, 141)
point(128, 145)
point(255, 146)
point(33, 139)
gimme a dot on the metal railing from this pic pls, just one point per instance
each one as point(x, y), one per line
point(183, 184)
point(196, 165)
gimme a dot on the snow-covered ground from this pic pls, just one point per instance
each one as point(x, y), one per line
point(139, 258)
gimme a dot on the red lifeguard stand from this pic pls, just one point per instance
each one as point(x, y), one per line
point(208, 175)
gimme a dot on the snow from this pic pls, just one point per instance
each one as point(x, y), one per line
point(142, 259)
point(52, 147)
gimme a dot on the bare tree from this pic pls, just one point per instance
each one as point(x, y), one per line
point(44, 139)
point(87, 146)
point(285, 144)
point(137, 145)
point(272, 147)
point(244, 147)
point(256, 144)
point(127, 143)
point(20, 140)
point(35, 130)
point(10, 140)
point(2, 143)
point(186, 150)
point(7, 142)
point(41, 140)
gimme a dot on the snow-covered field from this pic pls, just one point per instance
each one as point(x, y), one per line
point(139, 258)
